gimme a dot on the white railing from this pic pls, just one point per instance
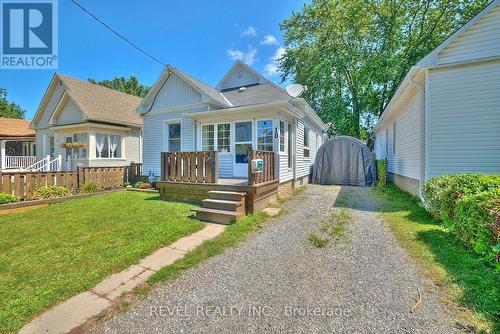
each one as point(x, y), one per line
point(19, 161)
point(45, 165)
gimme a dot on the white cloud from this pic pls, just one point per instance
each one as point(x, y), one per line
point(250, 31)
point(271, 69)
point(248, 57)
point(269, 40)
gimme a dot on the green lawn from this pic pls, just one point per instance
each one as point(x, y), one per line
point(50, 254)
point(470, 287)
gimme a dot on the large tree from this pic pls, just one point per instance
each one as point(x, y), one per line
point(352, 54)
point(129, 86)
point(9, 109)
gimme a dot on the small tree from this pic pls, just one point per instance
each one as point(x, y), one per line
point(9, 109)
point(130, 86)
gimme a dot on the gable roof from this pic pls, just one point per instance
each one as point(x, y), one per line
point(239, 63)
point(431, 60)
point(256, 94)
point(12, 127)
point(96, 103)
point(201, 87)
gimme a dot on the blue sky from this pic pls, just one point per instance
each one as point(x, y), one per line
point(200, 37)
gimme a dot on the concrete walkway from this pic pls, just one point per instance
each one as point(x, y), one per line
point(278, 282)
point(80, 308)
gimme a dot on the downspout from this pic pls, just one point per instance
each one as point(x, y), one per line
point(422, 92)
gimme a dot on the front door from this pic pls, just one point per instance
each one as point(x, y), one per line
point(243, 138)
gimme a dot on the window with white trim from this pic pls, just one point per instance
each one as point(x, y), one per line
point(265, 135)
point(207, 137)
point(174, 137)
point(282, 136)
point(216, 137)
point(224, 137)
point(80, 138)
point(306, 143)
point(108, 145)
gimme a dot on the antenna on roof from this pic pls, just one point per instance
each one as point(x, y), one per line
point(295, 90)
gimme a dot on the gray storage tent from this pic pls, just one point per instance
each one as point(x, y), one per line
point(346, 161)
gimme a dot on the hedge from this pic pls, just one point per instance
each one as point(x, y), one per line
point(470, 206)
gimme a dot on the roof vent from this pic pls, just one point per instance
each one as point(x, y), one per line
point(242, 89)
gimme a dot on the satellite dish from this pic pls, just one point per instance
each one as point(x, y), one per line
point(295, 90)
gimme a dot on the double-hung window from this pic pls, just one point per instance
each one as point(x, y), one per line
point(174, 137)
point(80, 152)
point(216, 137)
point(306, 143)
point(108, 145)
point(265, 135)
point(282, 136)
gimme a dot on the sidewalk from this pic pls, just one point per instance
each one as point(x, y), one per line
point(78, 309)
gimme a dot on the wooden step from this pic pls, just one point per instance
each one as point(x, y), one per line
point(221, 204)
point(226, 195)
point(216, 216)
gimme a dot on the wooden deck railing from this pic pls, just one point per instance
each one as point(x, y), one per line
point(195, 167)
point(267, 173)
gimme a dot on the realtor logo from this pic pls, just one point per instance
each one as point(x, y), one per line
point(29, 34)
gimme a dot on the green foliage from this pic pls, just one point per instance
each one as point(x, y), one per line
point(91, 187)
point(352, 54)
point(469, 204)
point(477, 223)
point(50, 192)
point(441, 193)
point(8, 198)
point(129, 86)
point(317, 241)
point(9, 109)
point(382, 172)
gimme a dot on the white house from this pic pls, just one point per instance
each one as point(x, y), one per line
point(445, 116)
point(79, 123)
point(244, 111)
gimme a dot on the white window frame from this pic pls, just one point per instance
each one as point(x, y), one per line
point(307, 130)
point(256, 131)
point(166, 142)
point(121, 141)
point(216, 135)
point(282, 142)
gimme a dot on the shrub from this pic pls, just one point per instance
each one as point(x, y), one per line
point(382, 172)
point(317, 241)
point(50, 192)
point(441, 193)
point(145, 186)
point(477, 224)
point(91, 187)
point(8, 198)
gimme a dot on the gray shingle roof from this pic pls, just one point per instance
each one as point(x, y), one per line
point(103, 104)
point(257, 94)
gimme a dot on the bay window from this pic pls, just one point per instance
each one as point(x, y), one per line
point(108, 145)
point(80, 152)
point(265, 135)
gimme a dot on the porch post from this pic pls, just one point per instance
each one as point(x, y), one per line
point(2, 154)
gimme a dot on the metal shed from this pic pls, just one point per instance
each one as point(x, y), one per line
point(344, 160)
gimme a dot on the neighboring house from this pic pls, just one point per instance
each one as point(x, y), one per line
point(244, 111)
point(88, 125)
point(17, 144)
point(445, 116)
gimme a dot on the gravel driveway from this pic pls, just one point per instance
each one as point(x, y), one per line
point(277, 281)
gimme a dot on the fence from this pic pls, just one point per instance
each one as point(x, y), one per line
point(267, 173)
point(24, 184)
point(195, 167)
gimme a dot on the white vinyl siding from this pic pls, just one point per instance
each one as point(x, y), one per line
point(239, 77)
point(480, 41)
point(175, 92)
point(70, 114)
point(304, 163)
point(49, 108)
point(465, 119)
point(403, 158)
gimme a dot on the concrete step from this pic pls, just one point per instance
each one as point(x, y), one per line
point(216, 216)
point(221, 204)
point(226, 195)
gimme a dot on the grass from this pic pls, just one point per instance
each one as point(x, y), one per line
point(317, 241)
point(50, 254)
point(232, 235)
point(341, 218)
point(471, 288)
